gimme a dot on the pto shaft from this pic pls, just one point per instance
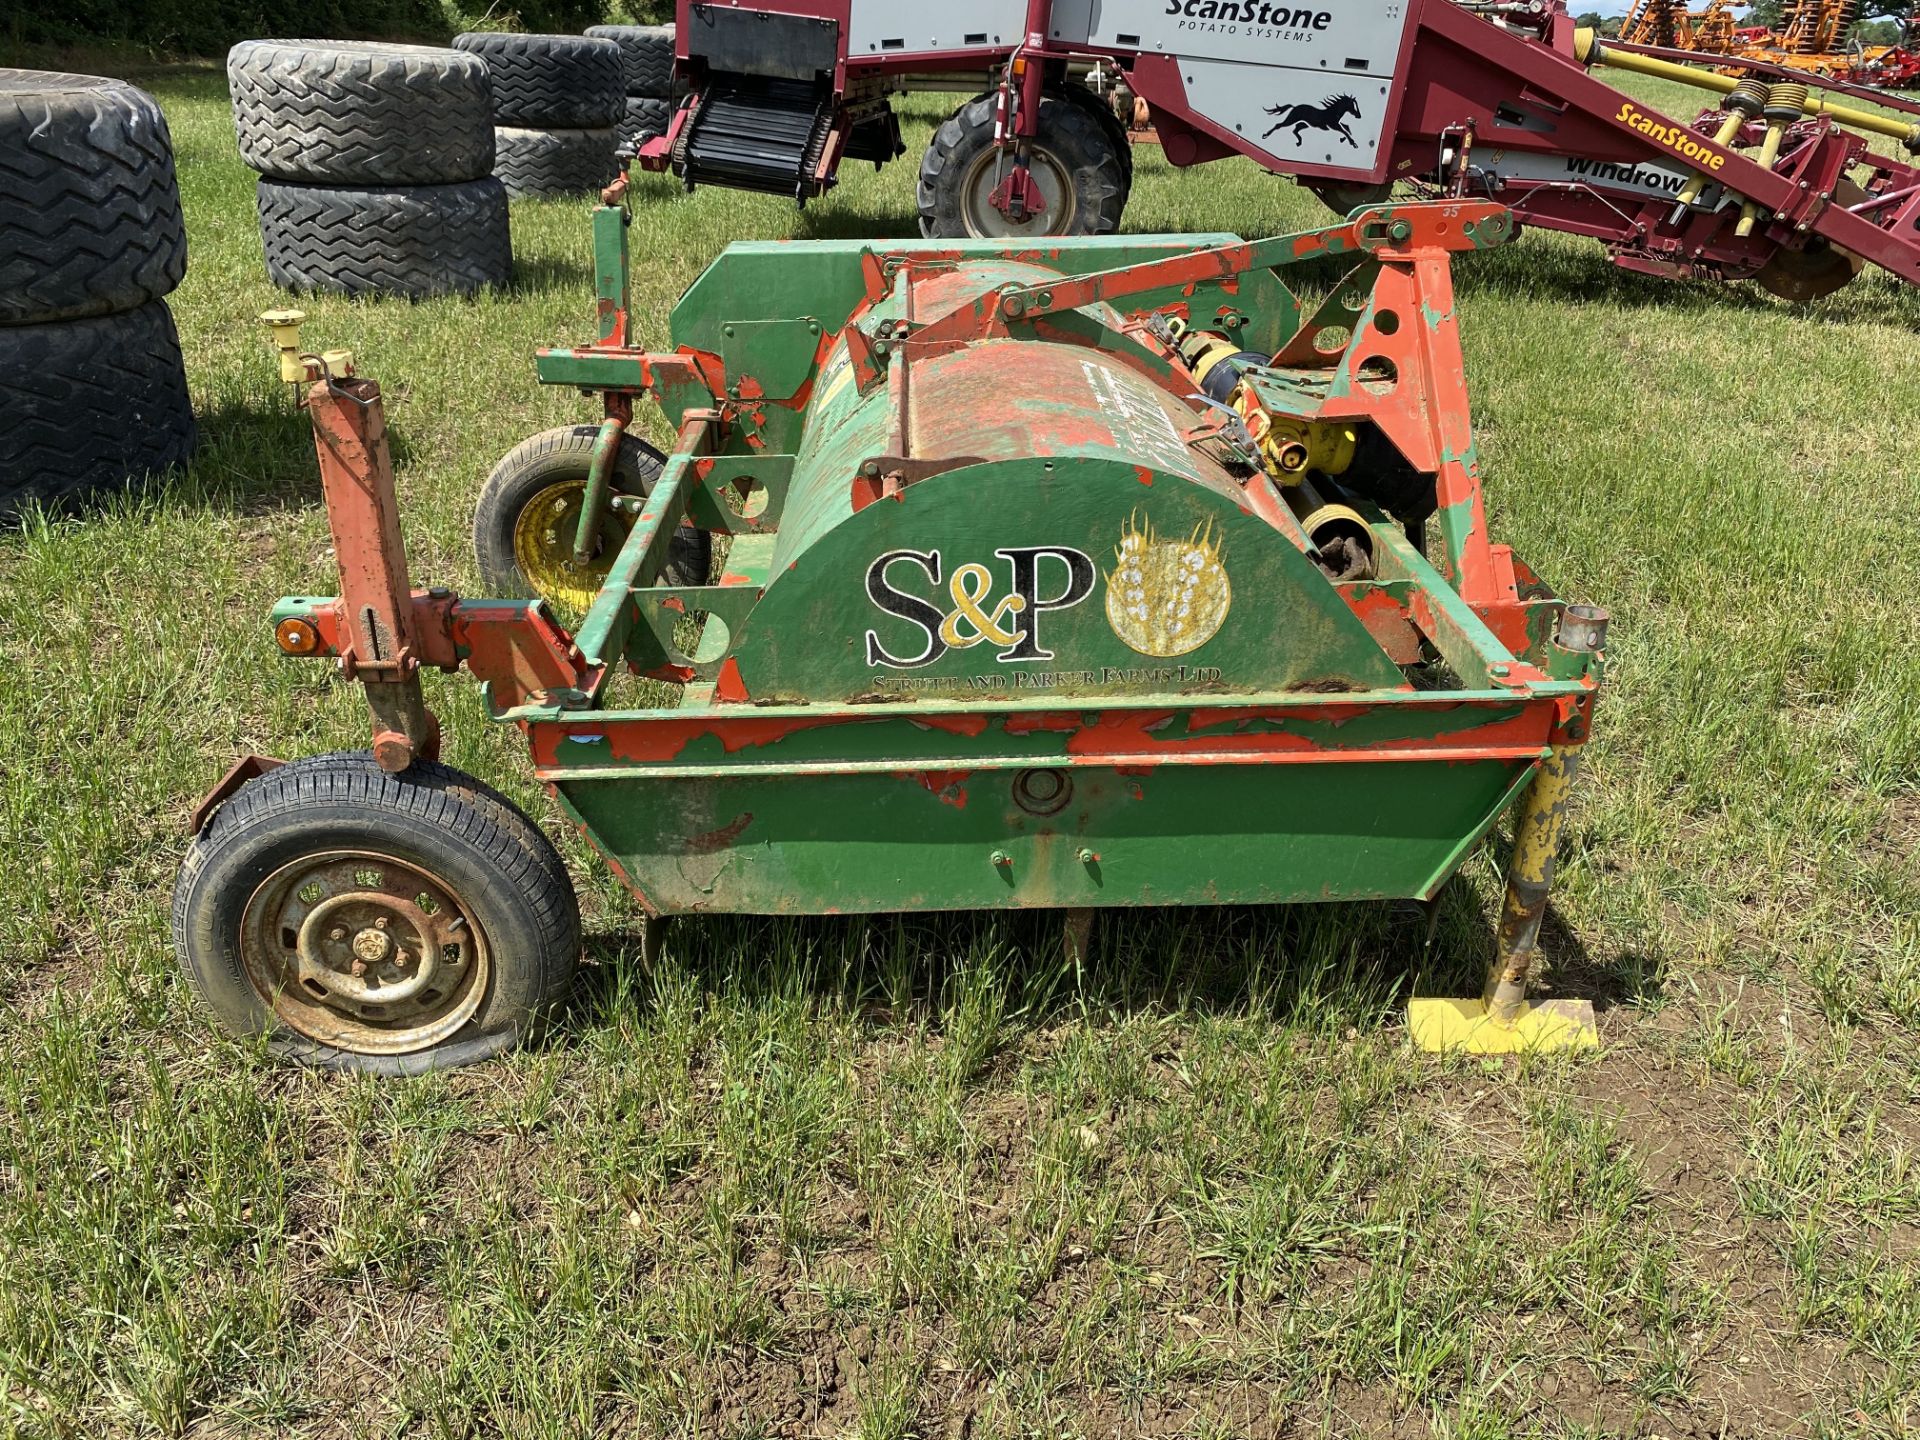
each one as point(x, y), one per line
point(1782, 109)
point(1746, 100)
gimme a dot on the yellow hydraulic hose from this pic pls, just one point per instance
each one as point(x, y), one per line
point(1588, 50)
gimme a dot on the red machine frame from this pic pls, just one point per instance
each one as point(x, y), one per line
point(1459, 76)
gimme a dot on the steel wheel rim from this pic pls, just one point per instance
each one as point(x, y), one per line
point(543, 535)
point(984, 177)
point(364, 952)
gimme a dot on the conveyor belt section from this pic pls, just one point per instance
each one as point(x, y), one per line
point(757, 133)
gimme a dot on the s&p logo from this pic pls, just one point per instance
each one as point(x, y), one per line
point(978, 611)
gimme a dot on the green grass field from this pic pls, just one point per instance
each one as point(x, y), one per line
point(911, 1178)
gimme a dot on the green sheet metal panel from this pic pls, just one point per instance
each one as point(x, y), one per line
point(1260, 615)
point(1174, 835)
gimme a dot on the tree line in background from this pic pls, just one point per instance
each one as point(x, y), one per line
point(208, 27)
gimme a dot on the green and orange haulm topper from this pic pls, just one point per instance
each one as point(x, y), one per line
point(1099, 574)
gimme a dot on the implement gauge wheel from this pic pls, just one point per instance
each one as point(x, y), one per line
point(1819, 269)
point(529, 516)
point(1079, 166)
point(391, 924)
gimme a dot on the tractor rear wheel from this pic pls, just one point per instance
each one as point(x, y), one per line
point(390, 924)
point(1110, 122)
point(1075, 161)
point(529, 514)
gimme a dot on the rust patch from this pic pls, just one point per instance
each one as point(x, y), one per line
point(946, 786)
point(710, 841)
point(728, 687)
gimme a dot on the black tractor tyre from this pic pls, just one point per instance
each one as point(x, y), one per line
point(646, 117)
point(547, 163)
point(549, 470)
point(416, 240)
point(1073, 144)
point(555, 82)
point(90, 404)
point(351, 112)
point(89, 207)
point(297, 867)
point(646, 56)
point(1098, 106)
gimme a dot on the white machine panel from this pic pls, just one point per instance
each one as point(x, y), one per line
point(1662, 182)
point(1330, 35)
point(1300, 115)
point(920, 27)
point(1308, 82)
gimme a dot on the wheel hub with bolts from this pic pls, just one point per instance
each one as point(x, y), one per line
point(364, 951)
point(1043, 188)
point(543, 547)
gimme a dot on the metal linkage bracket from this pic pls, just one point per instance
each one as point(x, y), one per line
point(376, 598)
point(1425, 225)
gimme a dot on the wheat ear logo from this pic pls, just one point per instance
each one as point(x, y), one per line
point(1167, 597)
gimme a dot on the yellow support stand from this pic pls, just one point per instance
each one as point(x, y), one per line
point(1465, 1025)
point(1502, 1022)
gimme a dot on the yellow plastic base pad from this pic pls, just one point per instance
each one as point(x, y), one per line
point(1441, 1025)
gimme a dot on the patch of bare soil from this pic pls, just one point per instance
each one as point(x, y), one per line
point(363, 1348)
point(1753, 1373)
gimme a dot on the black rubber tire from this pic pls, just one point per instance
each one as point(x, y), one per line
point(549, 458)
point(351, 112)
point(416, 240)
point(646, 56)
point(90, 404)
point(1098, 107)
point(551, 82)
point(646, 117)
point(89, 207)
point(547, 163)
point(504, 871)
point(1077, 139)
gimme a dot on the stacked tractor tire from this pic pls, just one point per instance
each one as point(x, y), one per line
point(646, 58)
point(557, 100)
point(92, 390)
point(375, 163)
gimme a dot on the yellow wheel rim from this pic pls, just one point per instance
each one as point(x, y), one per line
point(543, 548)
